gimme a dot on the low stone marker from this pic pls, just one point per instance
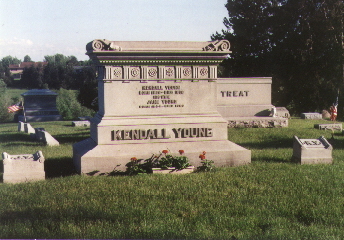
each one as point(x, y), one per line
point(280, 112)
point(38, 136)
point(23, 168)
point(331, 126)
point(28, 128)
point(21, 127)
point(44, 136)
point(84, 123)
point(311, 115)
point(312, 151)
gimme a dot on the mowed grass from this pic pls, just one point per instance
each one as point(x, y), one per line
point(272, 198)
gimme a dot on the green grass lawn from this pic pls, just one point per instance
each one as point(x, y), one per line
point(271, 198)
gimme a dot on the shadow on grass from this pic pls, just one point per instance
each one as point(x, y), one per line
point(71, 138)
point(272, 159)
point(269, 143)
point(10, 137)
point(59, 167)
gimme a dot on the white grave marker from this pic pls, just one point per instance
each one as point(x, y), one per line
point(312, 151)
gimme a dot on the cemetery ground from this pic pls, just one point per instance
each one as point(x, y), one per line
point(271, 198)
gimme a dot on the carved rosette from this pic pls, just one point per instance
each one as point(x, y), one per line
point(134, 73)
point(187, 72)
point(117, 72)
point(152, 73)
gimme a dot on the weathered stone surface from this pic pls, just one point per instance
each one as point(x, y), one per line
point(84, 123)
point(312, 151)
point(330, 126)
point(23, 168)
point(40, 105)
point(257, 122)
point(311, 116)
point(154, 96)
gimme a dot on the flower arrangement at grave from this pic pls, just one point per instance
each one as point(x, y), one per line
point(165, 162)
point(206, 165)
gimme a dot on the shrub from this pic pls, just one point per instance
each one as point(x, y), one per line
point(69, 107)
point(5, 102)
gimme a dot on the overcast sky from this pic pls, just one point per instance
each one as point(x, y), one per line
point(46, 27)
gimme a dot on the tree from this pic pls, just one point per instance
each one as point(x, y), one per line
point(27, 59)
point(32, 77)
point(5, 74)
point(297, 42)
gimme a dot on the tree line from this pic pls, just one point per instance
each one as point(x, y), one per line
point(60, 72)
point(299, 43)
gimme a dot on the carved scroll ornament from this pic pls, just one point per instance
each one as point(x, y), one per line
point(103, 45)
point(219, 45)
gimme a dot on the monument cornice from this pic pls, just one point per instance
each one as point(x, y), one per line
point(105, 52)
point(104, 45)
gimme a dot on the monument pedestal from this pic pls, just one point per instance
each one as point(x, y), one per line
point(156, 96)
point(114, 141)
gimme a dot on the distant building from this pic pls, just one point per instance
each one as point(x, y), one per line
point(16, 70)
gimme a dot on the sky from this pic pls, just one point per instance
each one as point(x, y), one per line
point(45, 27)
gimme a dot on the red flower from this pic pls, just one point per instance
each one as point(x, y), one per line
point(164, 151)
point(133, 159)
point(202, 156)
point(181, 152)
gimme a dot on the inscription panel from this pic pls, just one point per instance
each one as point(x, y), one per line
point(153, 97)
point(245, 91)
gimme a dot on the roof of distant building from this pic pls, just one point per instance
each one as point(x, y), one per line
point(27, 64)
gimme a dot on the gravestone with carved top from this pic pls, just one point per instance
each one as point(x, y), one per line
point(23, 168)
point(154, 96)
point(312, 151)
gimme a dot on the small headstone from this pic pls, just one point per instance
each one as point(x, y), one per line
point(21, 127)
point(311, 116)
point(38, 134)
point(84, 123)
point(48, 139)
point(312, 151)
point(23, 168)
point(325, 114)
point(28, 128)
point(331, 126)
point(280, 112)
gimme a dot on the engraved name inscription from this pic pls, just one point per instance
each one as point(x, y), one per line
point(143, 134)
point(234, 93)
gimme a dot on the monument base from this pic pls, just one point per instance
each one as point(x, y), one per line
point(90, 157)
point(257, 122)
point(244, 110)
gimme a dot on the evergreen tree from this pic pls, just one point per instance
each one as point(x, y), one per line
point(297, 42)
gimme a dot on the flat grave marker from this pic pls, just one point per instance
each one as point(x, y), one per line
point(312, 151)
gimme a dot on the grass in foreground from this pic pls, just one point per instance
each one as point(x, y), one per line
point(271, 198)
